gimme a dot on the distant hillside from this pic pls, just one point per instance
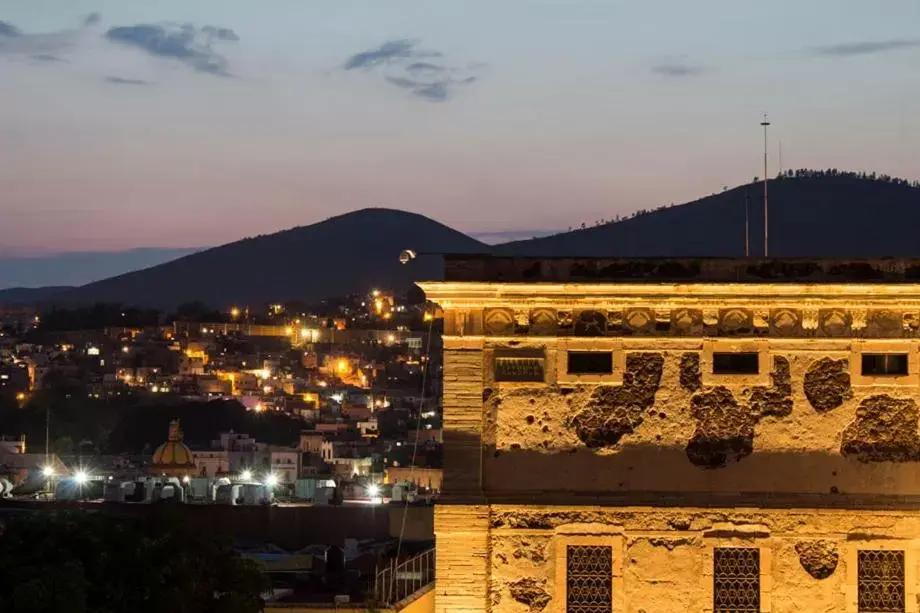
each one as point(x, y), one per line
point(822, 213)
point(341, 255)
point(79, 268)
point(28, 296)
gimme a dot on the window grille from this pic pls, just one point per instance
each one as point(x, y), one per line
point(736, 580)
point(519, 369)
point(588, 579)
point(880, 581)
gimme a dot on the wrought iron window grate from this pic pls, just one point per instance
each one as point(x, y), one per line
point(736, 580)
point(588, 579)
point(880, 581)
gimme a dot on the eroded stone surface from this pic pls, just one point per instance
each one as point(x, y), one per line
point(724, 432)
point(725, 427)
point(690, 377)
point(614, 411)
point(885, 430)
point(530, 592)
point(827, 384)
point(776, 400)
point(818, 558)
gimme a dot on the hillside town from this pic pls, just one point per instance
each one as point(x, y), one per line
point(344, 406)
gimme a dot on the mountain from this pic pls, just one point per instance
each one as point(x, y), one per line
point(811, 214)
point(26, 296)
point(79, 268)
point(346, 254)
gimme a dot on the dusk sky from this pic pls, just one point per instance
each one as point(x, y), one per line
point(183, 123)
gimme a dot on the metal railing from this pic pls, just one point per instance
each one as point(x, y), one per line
point(396, 582)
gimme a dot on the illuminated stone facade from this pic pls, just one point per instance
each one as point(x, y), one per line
point(660, 436)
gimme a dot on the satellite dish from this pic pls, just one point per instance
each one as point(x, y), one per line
point(406, 256)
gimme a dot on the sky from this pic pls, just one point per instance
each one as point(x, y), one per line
point(129, 123)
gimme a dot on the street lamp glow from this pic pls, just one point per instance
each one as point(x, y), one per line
point(373, 491)
point(48, 471)
point(80, 477)
point(246, 475)
point(271, 480)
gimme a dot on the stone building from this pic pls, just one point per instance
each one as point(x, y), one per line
point(679, 435)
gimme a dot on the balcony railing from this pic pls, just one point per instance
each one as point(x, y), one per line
point(396, 582)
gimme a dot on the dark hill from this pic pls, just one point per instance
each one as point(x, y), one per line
point(814, 214)
point(26, 296)
point(341, 255)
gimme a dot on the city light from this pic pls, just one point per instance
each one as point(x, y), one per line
point(246, 475)
point(80, 477)
point(289, 331)
point(92, 351)
point(234, 312)
point(21, 396)
point(265, 373)
point(48, 471)
point(391, 338)
point(376, 293)
point(342, 366)
point(185, 479)
point(259, 407)
point(271, 480)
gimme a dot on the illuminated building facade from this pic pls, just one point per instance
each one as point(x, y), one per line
point(679, 435)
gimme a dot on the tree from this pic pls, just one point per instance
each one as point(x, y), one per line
point(87, 562)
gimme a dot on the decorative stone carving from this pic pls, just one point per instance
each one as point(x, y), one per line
point(530, 592)
point(735, 321)
point(885, 430)
point(710, 317)
point(614, 320)
point(686, 321)
point(761, 319)
point(827, 384)
point(543, 322)
point(810, 319)
point(691, 378)
point(590, 323)
point(499, 322)
point(818, 558)
point(564, 319)
point(885, 323)
point(911, 322)
point(785, 322)
point(639, 320)
point(858, 318)
point(614, 411)
point(834, 322)
point(521, 321)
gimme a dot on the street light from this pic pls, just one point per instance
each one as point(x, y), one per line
point(271, 480)
point(48, 471)
point(246, 475)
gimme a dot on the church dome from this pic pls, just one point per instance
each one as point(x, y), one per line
point(173, 456)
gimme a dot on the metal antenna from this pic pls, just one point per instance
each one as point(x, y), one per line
point(766, 209)
point(780, 156)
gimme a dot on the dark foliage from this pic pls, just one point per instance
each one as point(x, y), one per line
point(85, 562)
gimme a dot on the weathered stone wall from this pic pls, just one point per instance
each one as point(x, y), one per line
point(663, 558)
point(803, 428)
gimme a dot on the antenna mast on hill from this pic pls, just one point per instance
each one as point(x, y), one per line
point(747, 234)
point(780, 156)
point(766, 216)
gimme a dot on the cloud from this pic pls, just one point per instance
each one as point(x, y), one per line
point(92, 19)
point(9, 30)
point(47, 57)
point(866, 47)
point(677, 68)
point(400, 63)
point(185, 43)
point(125, 81)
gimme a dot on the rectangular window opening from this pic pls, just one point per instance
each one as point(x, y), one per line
point(519, 369)
point(736, 580)
point(884, 364)
point(590, 362)
point(746, 363)
point(880, 581)
point(588, 579)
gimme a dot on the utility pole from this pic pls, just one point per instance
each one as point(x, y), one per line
point(47, 434)
point(766, 209)
point(780, 156)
